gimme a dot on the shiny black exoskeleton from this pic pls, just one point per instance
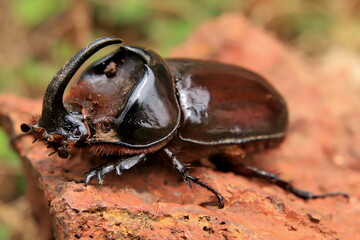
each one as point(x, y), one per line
point(132, 102)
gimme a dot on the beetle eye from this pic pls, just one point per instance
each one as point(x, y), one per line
point(25, 128)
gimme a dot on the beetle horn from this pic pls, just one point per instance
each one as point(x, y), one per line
point(53, 110)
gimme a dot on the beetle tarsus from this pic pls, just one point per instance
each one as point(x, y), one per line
point(118, 166)
point(100, 177)
point(308, 195)
point(89, 176)
point(187, 178)
point(286, 185)
point(204, 185)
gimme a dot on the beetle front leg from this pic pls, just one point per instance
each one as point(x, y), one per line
point(286, 185)
point(187, 178)
point(118, 166)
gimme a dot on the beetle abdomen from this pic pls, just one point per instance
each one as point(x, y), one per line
point(224, 104)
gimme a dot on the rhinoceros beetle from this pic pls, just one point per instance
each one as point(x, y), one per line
point(132, 103)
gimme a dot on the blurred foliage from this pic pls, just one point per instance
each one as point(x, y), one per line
point(9, 156)
point(4, 232)
point(38, 36)
point(33, 13)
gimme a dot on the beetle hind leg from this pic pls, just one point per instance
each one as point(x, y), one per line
point(118, 166)
point(286, 185)
point(188, 178)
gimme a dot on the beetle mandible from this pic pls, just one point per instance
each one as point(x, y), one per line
point(132, 103)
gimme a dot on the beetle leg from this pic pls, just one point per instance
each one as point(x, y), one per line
point(129, 163)
point(179, 166)
point(118, 166)
point(286, 185)
point(187, 178)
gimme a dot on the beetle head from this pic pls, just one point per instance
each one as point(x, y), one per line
point(58, 126)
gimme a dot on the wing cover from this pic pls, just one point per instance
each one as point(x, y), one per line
point(224, 104)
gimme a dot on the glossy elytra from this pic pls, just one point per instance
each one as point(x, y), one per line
point(132, 102)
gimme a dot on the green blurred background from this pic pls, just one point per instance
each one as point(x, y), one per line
point(38, 36)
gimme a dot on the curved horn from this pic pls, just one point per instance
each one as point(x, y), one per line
point(53, 108)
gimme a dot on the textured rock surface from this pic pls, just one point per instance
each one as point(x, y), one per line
point(321, 154)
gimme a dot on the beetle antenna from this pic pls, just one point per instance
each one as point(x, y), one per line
point(53, 108)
